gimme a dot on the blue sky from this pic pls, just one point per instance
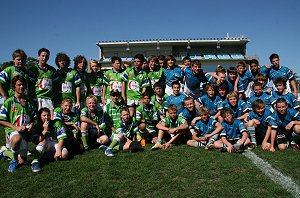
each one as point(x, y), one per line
point(75, 26)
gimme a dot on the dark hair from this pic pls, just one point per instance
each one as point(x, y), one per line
point(258, 104)
point(157, 84)
point(225, 111)
point(241, 63)
point(43, 50)
point(146, 94)
point(140, 57)
point(256, 83)
point(232, 70)
point(272, 56)
point(79, 58)
point(186, 58)
point(196, 62)
point(135, 146)
point(39, 113)
point(115, 58)
point(15, 79)
point(62, 56)
point(280, 80)
point(175, 83)
point(281, 100)
point(253, 61)
point(170, 57)
point(20, 53)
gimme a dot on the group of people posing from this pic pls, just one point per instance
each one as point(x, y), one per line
point(66, 111)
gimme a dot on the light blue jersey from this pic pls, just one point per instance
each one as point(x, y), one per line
point(202, 128)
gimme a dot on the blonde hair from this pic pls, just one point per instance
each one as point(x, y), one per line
point(91, 97)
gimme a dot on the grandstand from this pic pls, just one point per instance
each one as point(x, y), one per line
point(225, 51)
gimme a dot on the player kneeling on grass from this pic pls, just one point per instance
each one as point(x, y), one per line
point(70, 121)
point(147, 118)
point(206, 130)
point(126, 131)
point(288, 121)
point(174, 126)
point(234, 136)
point(16, 115)
point(92, 123)
point(261, 124)
point(50, 137)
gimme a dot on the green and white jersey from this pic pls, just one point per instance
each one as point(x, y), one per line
point(112, 80)
point(160, 105)
point(170, 123)
point(71, 117)
point(98, 117)
point(149, 114)
point(9, 73)
point(112, 113)
point(84, 88)
point(67, 85)
point(44, 81)
point(95, 85)
point(156, 75)
point(128, 130)
point(14, 112)
point(135, 82)
point(56, 130)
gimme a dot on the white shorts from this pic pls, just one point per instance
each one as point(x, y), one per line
point(132, 103)
point(50, 147)
point(23, 146)
point(43, 102)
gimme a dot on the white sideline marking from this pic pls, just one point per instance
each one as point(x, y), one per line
point(285, 181)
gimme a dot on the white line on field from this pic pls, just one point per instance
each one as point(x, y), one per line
point(285, 181)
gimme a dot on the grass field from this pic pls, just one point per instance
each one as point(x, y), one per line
point(179, 172)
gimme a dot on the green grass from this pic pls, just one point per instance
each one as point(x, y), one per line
point(179, 172)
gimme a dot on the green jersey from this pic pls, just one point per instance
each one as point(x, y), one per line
point(112, 80)
point(149, 114)
point(95, 83)
point(44, 81)
point(160, 104)
point(71, 117)
point(112, 113)
point(84, 88)
point(7, 75)
point(135, 82)
point(67, 83)
point(18, 114)
point(128, 130)
point(156, 75)
point(98, 117)
point(170, 123)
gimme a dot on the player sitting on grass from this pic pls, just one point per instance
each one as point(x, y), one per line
point(288, 121)
point(234, 136)
point(146, 116)
point(71, 123)
point(126, 132)
point(260, 124)
point(174, 126)
point(16, 116)
point(206, 130)
point(92, 123)
point(50, 139)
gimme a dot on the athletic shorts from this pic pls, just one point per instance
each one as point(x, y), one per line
point(23, 146)
point(132, 103)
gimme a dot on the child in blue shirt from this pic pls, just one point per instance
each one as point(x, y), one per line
point(177, 97)
point(234, 136)
point(206, 131)
point(261, 124)
point(288, 122)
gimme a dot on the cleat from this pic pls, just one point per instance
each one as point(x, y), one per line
point(103, 147)
point(35, 167)
point(157, 146)
point(13, 164)
point(295, 147)
point(209, 145)
point(252, 146)
point(2, 151)
point(109, 152)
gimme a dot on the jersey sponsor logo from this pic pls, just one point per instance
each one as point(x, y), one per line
point(133, 85)
point(116, 85)
point(70, 75)
point(66, 87)
point(96, 91)
point(22, 120)
point(45, 84)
